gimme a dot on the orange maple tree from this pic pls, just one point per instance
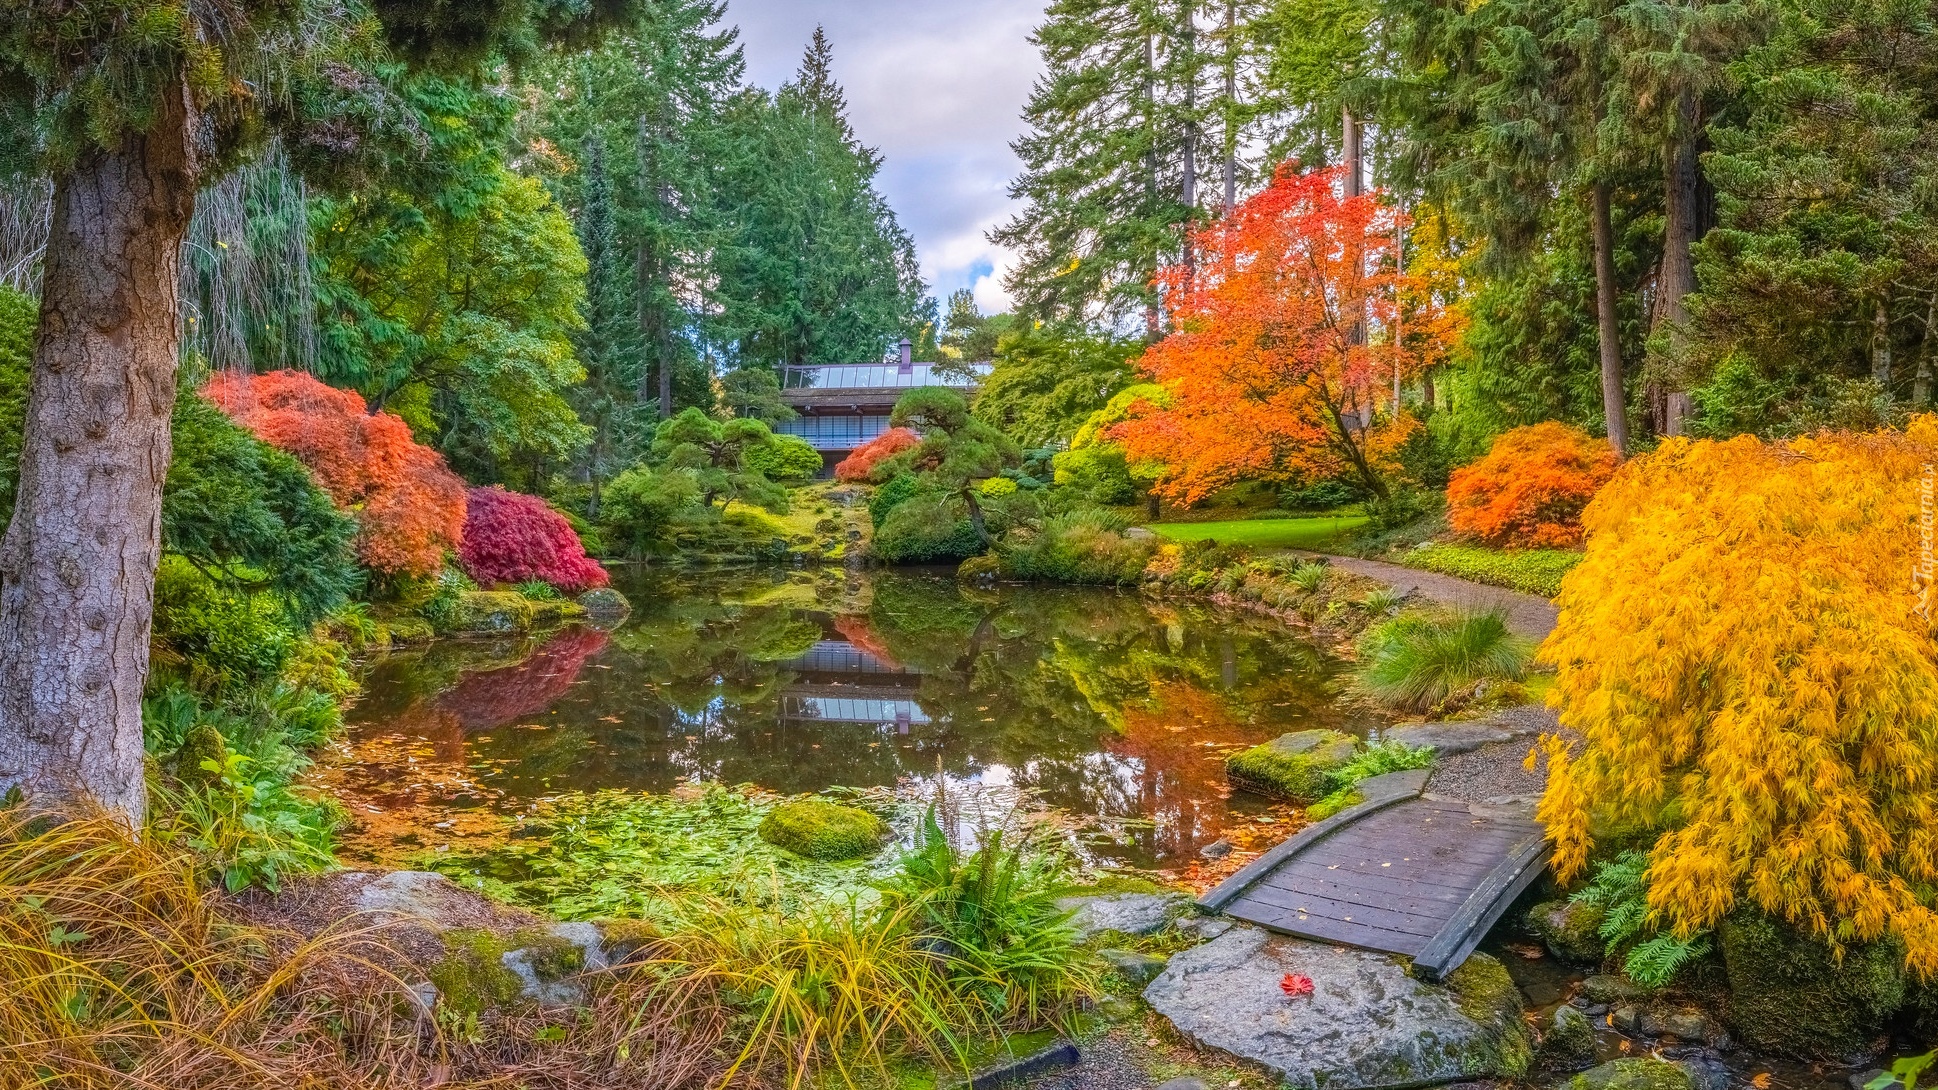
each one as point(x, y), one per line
point(1529, 491)
point(1282, 345)
point(408, 504)
point(860, 463)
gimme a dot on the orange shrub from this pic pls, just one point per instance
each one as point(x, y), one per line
point(409, 506)
point(860, 464)
point(1529, 490)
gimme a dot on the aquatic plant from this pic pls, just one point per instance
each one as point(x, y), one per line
point(1416, 661)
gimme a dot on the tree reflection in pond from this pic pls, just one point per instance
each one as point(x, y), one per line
point(1105, 703)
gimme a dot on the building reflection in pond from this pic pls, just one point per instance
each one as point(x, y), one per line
point(1103, 704)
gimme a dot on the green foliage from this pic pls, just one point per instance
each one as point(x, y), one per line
point(19, 315)
point(926, 528)
point(785, 458)
point(1377, 759)
point(754, 392)
point(721, 455)
point(971, 336)
point(996, 911)
point(1082, 546)
point(1418, 661)
point(253, 517)
point(1295, 533)
point(455, 303)
point(538, 591)
point(809, 260)
point(224, 638)
point(819, 829)
point(1403, 507)
point(1531, 571)
point(613, 853)
point(1047, 382)
point(642, 505)
point(899, 488)
point(1619, 888)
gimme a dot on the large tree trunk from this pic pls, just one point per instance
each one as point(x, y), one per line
point(1614, 402)
point(1681, 212)
point(77, 564)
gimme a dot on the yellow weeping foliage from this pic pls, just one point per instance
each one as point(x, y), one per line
point(1748, 655)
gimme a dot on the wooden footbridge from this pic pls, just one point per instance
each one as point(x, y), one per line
point(1403, 872)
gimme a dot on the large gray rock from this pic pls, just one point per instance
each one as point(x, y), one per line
point(1367, 1024)
point(1134, 966)
point(1447, 739)
point(1127, 913)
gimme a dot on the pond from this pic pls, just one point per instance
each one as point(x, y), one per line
point(1108, 705)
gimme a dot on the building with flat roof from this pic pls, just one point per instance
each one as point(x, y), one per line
point(843, 405)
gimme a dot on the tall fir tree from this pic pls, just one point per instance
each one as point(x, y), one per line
point(608, 348)
point(811, 265)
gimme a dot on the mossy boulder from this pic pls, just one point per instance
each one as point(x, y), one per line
point(819, 829)
point(1293, 766)
point(1568, 1042)
point(554, 612)
point(605, 604)
point(1790, 993)
point(1570, 930)
point(398, 631)
point(482, 970)
point(201, 743)
point(1634, 1073)
point(1485, 993)
point(492, 612)
point(979, 569)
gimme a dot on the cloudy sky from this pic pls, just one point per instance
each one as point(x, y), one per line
point(939, 88)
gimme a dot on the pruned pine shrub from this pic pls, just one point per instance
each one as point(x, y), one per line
point(1746, 654)
point(1529, 491)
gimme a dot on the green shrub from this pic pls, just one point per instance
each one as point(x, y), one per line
point(1416, 661)
point(641, 506)
point(897, 491)
point(1403, 507)
point(819, 829)
point(785, 458)
point(1531, 571)
point(538, 590)
point(1083, 546)
point(996, 911)
point(440, 607)
point(926, 528)
point(222, 638)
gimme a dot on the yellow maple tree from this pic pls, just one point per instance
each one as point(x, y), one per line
point(1748, 655)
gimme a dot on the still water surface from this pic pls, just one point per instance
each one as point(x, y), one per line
point(1109, 705)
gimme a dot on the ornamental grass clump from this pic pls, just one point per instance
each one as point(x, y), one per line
point(1529, 491)
point(1419, 661)
point(1747, 653)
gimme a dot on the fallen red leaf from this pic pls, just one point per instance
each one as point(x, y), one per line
point(1294, 985)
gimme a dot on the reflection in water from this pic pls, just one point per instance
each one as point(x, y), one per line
point(1106, 704)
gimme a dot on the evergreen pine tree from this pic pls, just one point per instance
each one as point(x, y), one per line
point(609, 346)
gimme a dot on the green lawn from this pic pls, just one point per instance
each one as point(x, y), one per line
point(1295, 533)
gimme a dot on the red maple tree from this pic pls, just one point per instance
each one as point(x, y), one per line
point(408, 504)
point(510, 537)
point(1282, 345)
point(859, 465)
point(1530, 489)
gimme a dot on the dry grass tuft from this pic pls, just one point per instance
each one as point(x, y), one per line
point(121, 971)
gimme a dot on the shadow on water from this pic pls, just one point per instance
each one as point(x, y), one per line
point(1106, 704)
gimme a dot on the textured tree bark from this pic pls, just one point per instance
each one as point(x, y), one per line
point(1614, 402)
point(77, 564)
point(1682, 214)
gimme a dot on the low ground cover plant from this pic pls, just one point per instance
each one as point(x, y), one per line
point(1530, 571)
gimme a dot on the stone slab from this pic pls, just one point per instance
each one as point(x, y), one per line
point(1366, 1026)
point(1447, 739)
point(1129, 913)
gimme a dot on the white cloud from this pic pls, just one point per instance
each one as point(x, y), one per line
point(939, 88)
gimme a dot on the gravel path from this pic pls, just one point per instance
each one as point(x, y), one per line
point(1527, 614)
point(1499, 769)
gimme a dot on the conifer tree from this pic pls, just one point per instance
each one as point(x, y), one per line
point(609, 346)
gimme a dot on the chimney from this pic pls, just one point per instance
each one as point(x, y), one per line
point(908, 366)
